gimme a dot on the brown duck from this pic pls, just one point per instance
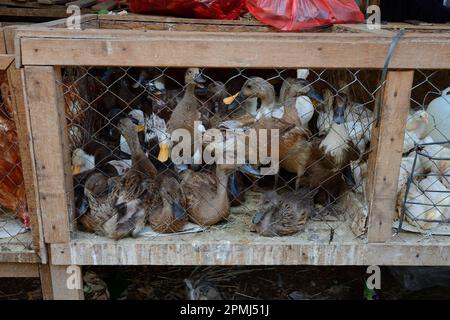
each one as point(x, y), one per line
point(187, 111)
point(283, 214)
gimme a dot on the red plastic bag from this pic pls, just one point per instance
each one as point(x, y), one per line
point(291, 15)
point(208, 9)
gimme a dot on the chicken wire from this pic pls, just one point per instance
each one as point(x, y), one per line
point(15, 235)
point(339, 209)
point(424, 194)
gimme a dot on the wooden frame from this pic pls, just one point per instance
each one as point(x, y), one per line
point(15, 82)
point(41, 50)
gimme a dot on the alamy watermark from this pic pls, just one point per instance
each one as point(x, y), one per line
point(373, 21)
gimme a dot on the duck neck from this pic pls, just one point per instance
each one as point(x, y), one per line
point(268, 100)
point(223, 183)
point(138, 156)
point(190, 89)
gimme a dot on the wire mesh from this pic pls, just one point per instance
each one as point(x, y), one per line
point(122, 188)
point(14, 216)
point(424, 194)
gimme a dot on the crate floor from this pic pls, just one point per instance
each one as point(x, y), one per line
point(233, 244)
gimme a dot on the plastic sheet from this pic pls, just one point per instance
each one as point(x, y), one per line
point(208, 9)
point(291, 15)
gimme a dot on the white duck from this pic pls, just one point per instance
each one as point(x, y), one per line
point(358, 120)
point(437, 193)
point(440, 157)
point(419, 207)
point(416, 128)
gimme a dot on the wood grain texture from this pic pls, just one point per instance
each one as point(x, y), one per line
point(215, 49)
point(247, 249)
point(19, 270)
point(19, 257)
point(44, 102)
point(385, 160)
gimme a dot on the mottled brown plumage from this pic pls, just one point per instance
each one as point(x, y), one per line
point(283, 214)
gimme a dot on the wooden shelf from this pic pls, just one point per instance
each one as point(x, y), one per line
point(235, 245)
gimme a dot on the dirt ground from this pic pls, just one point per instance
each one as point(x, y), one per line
point(272, 283)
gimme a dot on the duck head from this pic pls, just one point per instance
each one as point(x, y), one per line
point(340, 101)
point(97, 185)
point(253, 87)
point(270, 202)
point(194, 76)
point(116, 115)
point(172, 194)
point(301, 87)
point(82, 161)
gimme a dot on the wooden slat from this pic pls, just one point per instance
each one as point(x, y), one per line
point(19, 257)
point(151, 18)
point(22, 118)
point(44, 99)
point(182, 26)
point(19, 270)
point(181, 49)
point(387, 154)
point(233, 251)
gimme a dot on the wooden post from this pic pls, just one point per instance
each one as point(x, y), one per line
point(385, 159)
point(45, 103)
point(61, 282)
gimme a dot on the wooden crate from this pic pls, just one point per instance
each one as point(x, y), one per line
point(41, 51)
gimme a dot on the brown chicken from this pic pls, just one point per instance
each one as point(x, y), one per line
point(12, 187)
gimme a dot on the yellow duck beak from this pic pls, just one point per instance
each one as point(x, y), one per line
point(229, 100)
point(76, 169)
point(163, 155)
point(141, 128)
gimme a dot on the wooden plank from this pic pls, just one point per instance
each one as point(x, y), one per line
point(37, 13)
point(152, 18)
point(19, 270)
point(230, 249)
point(19, 257)
point(386, 157)
point(43, 100)
point(54, 283)
point(46, 281)
point(22, 118)
point(181, 26)
point(260, 50)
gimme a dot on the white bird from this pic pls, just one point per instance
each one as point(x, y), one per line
point(441, 154)
point(419, 207)
point(406, 168)
point(358, 121)
point(416, 127)
point(438, 193)
point(82, 161)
